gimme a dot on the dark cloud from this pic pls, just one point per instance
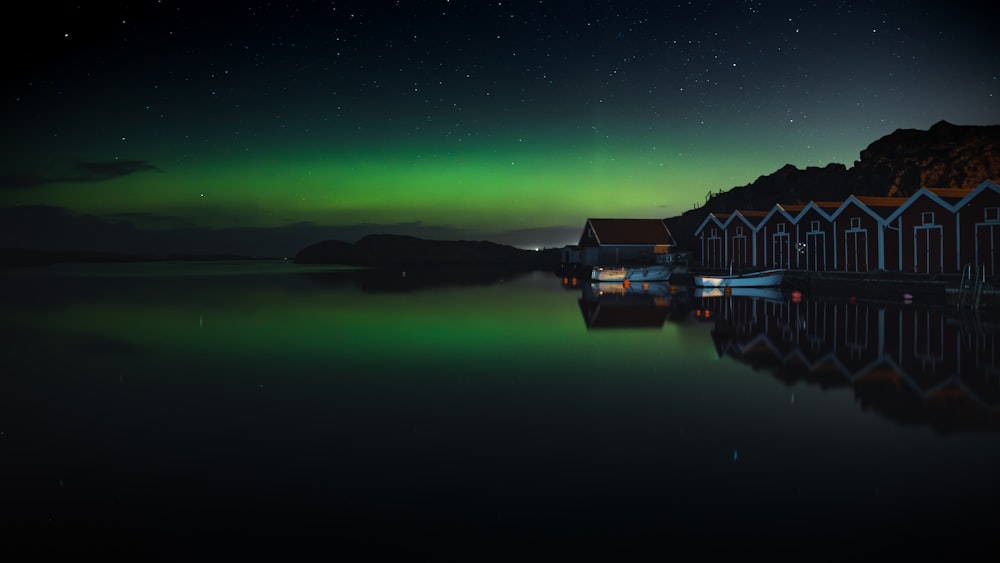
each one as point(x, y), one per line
point(81, 172)
point(97, 171)
point(10, 179)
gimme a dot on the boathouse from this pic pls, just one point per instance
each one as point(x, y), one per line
point(774, 238)
point(978, 218)
point(623, 241)
point(711, 236)
point(739, 238)
point(924, 231)
point(815, 245)
point(860, 224)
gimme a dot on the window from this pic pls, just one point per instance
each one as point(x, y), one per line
point(781, 227)
point(814, 225)
point(855, 222)
point(739, 231)
point(992, 214)
point(715, 233)
point(927, 218)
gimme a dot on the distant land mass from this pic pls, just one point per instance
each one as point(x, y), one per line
point(381, 250)
point(897, 165)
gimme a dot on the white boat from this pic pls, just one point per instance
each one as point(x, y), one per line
point(761, 278)
point(652, 272)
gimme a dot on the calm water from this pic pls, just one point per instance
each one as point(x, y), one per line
point(176, 410)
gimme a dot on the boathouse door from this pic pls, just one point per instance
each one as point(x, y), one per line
point(927, 255)
point(739, 255)
point(815, 251)
point(712, 250)
point(987, 247)
point(780, 250)
point(856, 250)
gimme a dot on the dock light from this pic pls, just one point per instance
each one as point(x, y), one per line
point(796, 296)
point(626, 283)
point(645, 286)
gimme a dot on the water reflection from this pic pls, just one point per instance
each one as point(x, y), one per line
point(913, 364)
point(613, 305)
point(910, 363)
point(174, 406)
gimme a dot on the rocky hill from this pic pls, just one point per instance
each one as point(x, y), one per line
point(899, 164)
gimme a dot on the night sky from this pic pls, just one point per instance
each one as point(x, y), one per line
point(258, 128)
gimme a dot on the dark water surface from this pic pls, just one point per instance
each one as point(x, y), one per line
point(184, 411)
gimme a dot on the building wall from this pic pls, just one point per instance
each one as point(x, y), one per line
point(815, 242)
point(776, 242)
point(713, 245)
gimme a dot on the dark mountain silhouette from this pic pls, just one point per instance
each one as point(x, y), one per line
point(899, 164)
point(400, 250)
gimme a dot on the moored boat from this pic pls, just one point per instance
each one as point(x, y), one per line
point(651, 272)
point(761, 278)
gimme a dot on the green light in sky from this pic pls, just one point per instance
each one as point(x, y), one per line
point(509, 185)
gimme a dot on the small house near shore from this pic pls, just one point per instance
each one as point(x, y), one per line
point(620, 241)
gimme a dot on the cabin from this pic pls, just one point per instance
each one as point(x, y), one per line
point(978, 217)
point(738, 233)
point(624, 241)
point(710, 234)
point(815, 245)
point(774, 238)
point(924, 233)
point(860, 227)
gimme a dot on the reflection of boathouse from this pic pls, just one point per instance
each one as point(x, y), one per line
point(613, 305)
point(934, 231)
point(910, 363)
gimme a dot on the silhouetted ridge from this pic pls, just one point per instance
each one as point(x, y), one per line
point(392, 250)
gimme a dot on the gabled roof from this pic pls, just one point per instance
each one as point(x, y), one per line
point(948, 202)
point(950, 195)
point(751, 216)
point(982, 187)
point(777, 209)
point(880, 205)
point(718, 218)
point(824, 208)
point(630, 231)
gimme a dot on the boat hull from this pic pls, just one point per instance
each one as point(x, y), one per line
point(766, 278)
point(655, 272)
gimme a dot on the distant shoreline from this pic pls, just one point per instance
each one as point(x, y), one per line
point(29, 257)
